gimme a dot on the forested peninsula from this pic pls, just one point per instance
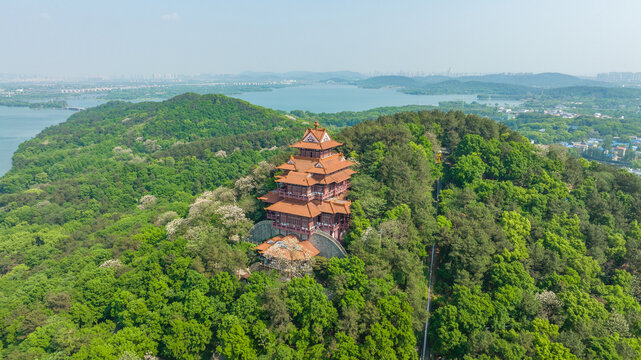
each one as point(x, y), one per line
point(53, 104)
point(121, 237)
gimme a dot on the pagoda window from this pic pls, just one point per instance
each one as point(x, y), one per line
point(310, 153)
point(326, 219)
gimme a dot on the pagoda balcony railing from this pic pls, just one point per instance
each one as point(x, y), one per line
point(298, 196)
point(316, 194)
point(295, 228)
point(324, 227)
point(323, 196)
point(332, 193)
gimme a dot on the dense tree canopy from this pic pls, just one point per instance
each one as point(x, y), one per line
point(120, 238)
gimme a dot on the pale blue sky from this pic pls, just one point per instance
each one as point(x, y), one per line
point(116, 37)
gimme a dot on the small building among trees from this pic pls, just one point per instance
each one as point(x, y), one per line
point(288, 255)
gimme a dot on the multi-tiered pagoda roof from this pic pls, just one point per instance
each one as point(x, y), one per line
point(312, 188)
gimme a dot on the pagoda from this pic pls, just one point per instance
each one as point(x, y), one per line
point(311, 190)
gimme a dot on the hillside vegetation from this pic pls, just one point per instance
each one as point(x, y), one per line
point(120, 229)
point(544, 86)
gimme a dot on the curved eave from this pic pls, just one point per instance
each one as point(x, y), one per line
point(316, 146)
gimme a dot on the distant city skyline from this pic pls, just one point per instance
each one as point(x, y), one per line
point(93, 39)
point(247, 76)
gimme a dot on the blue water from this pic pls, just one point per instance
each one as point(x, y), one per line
point(336, 98)
point(18, 124)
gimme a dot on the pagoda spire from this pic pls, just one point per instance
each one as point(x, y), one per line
point(315, 125)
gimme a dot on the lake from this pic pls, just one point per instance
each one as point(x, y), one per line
point(18, 124)
point(336, 98)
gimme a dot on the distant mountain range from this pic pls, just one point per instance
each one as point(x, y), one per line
point(542, 80)
point(305, 76)
point(505, 85)
point(510, 85)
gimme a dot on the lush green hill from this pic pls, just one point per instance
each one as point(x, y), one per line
point(116, 239)
point(142, 136)
point(472, 87)
point(559, 86)
point(541, 80)
point(426, 86)
point(594, 92)
point(388, 81)
point(119, 237)
point(538, 252)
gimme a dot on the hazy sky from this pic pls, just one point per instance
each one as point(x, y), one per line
point(116, 37)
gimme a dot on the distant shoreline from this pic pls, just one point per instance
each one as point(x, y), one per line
point(57, 104)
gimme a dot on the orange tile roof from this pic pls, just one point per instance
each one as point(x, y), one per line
point(287, 248)
point(297, 178)
point(286, 166)
point(335, 207)
point(316, 138)
point(267, 244)
point(311, 209)
point(295, 207)
point(316, 146)
point(319, 133)
point(332, 164)
point(309, 248)
point(339, 176)
point(271, 197)
point(323, 166)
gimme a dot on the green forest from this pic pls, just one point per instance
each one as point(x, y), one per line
point(558, 129)
point(121, 238)
point(52, 104)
